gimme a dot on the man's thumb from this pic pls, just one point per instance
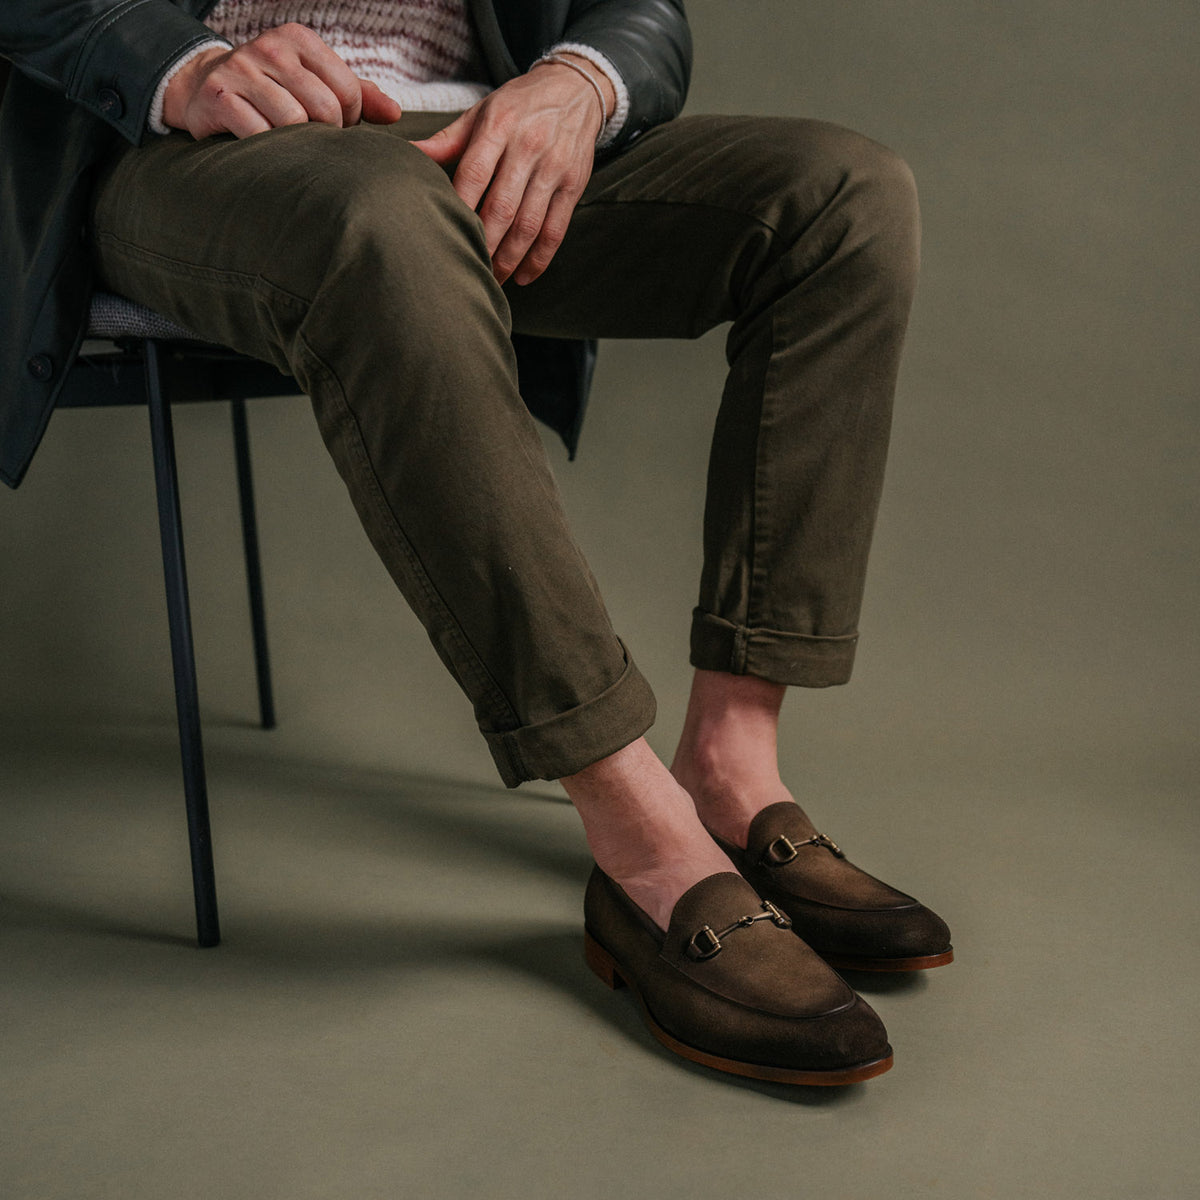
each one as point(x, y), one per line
point(448, 144)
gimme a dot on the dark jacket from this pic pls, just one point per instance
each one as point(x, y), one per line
point(84, 76)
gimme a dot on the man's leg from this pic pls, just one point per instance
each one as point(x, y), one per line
point(345, 257)
point(804, 236)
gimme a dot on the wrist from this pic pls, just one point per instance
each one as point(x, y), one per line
point(608, 93)
point(618, 115)
point(570, 66)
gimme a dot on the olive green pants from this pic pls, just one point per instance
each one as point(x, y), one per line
point(345, 257)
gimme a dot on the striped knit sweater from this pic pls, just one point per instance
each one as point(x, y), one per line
point(425, 54)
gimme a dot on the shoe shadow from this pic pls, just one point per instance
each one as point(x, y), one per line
point(885, 983)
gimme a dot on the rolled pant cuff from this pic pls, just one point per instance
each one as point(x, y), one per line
point(792, 658)
point(575, 739)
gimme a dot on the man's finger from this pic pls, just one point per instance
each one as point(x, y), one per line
point(448, 144)
point(377, 107)
point(299, 97)
point(524, 227)
point(316, 56)
point(473, 177)
point(239, 117)
point(553, 231)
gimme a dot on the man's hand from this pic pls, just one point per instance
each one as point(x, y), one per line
point(529, 146)
point(285, 76)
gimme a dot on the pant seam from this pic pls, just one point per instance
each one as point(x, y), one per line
point(741, 639)
point(759, 510)
point(179, 266)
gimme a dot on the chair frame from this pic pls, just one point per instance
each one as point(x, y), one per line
point(160, 373)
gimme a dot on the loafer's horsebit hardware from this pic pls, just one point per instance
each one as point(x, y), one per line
point(707, 944)
point(782, 850)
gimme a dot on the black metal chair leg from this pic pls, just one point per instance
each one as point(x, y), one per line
point(258, 616)
point(187, 703)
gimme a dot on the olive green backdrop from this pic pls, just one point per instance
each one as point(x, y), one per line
point(1023, 716)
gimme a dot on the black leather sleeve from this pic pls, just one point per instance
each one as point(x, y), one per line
point(106, 55)
point(650, 43)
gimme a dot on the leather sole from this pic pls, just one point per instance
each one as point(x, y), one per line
point(846, 962)
point(611, 975)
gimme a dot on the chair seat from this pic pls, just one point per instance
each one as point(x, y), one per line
point(199, 369)
point(113, 316)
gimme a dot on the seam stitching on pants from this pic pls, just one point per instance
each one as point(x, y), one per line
point(739, 650)
point(178, 266)
point(505, 741)
point(758, 519)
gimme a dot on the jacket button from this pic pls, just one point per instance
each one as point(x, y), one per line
point(41, 366)
point(109, 102)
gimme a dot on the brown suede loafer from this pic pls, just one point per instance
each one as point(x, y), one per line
point(850, 918)
point(727, 985)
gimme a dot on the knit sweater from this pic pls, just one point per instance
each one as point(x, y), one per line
point(424, 54)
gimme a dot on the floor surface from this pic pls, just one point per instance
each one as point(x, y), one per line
point(401, 1008)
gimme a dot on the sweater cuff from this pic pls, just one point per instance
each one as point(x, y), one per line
point(621, 112)
point(155, 119)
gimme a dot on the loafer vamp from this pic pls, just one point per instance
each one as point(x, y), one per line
point(914, 931)
point(764, 997)
point(836, 907)
point(760, 966)
point(815, 874)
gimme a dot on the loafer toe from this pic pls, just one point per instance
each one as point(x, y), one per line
point(913, 932)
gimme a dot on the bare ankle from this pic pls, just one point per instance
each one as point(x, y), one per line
point(642, 828)
point(727, 756)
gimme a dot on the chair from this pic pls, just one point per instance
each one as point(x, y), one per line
point(154, 362)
